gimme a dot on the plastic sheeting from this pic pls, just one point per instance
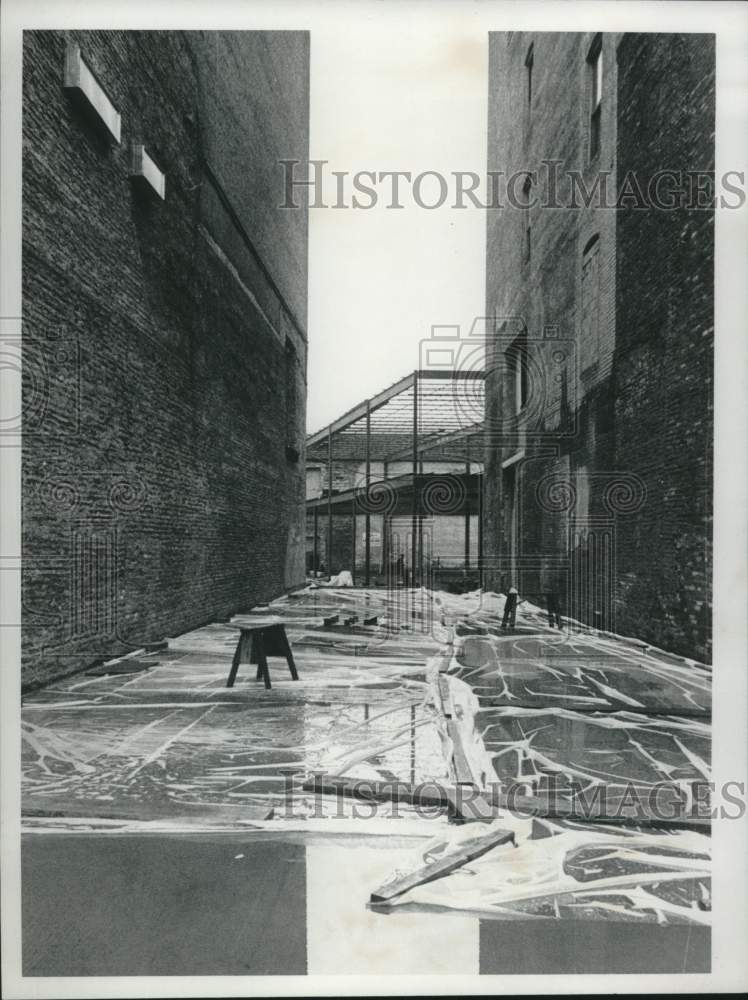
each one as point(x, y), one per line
point(172, 742)
point(169, 747)
point(562, 870)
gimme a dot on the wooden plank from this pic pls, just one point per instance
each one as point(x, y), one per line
point(471, 806)
point(540, 806)
point(463, 771)
point(465, 807)
point(468, 807)
point(468, 852)
point(378, 791)
point(446, 695)
point(252, 621)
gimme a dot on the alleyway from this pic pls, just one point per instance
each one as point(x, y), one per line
point(364, 587)
point(153, 793)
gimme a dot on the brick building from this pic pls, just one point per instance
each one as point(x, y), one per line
point(599, 380)
point(164, 335)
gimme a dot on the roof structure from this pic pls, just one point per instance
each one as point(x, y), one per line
point(426, 410)
point(429, 416)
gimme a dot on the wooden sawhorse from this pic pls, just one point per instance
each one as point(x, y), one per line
point(256, 643)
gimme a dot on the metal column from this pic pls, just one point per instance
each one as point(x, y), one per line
point(315, 550)
point(329, 503)
point(481, 478)
point(467, 506)
point(367, 550)
point(415, 508)
point(386, 538)
point(353, 540)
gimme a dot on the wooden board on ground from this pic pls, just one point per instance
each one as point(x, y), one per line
point(461, 804)
point(378, 791)
point(446, 697)
point(469, 851)
point(468, 804)
point(542, 806)
point(463, 771)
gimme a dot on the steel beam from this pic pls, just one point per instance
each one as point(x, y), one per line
point(359, 412)
point(414, 519)
point(329, 503)
point(367, 550)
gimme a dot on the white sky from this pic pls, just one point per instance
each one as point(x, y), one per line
point(385, 96)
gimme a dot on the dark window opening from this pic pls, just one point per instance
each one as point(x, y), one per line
point(527, 191)
point(595, 133)
point(509, 521)
point(590, 319)
point(517, 363)
point(293, 452)
point(595, 63)
point(529, 60)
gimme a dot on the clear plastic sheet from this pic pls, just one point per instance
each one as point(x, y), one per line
point(169, 747)
point(562, 870)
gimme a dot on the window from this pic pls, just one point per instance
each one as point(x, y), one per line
point(590, 332)
point(291, 403)
point(527, 191)
point(529, 59)
point(595, 63)
point(518, 372)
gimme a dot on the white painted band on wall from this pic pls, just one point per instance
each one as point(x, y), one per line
point(516, 457)
point(145, 169)
point(80, 78)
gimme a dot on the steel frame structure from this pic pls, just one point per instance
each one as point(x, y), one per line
point(427, 411)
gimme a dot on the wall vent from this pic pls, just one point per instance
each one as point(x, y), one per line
point(83, 86)
point(144, 172)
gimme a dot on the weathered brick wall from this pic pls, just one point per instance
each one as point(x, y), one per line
point(564, 428)
point(164, 351)
point(613, 478)
point(664, 344)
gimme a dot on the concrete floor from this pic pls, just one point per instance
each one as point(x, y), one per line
point(191, 905)
point(162, 835)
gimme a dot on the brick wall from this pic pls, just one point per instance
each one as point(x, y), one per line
point(664, 344)
point(164, 342)
point(563, 429)
point(616, 304)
